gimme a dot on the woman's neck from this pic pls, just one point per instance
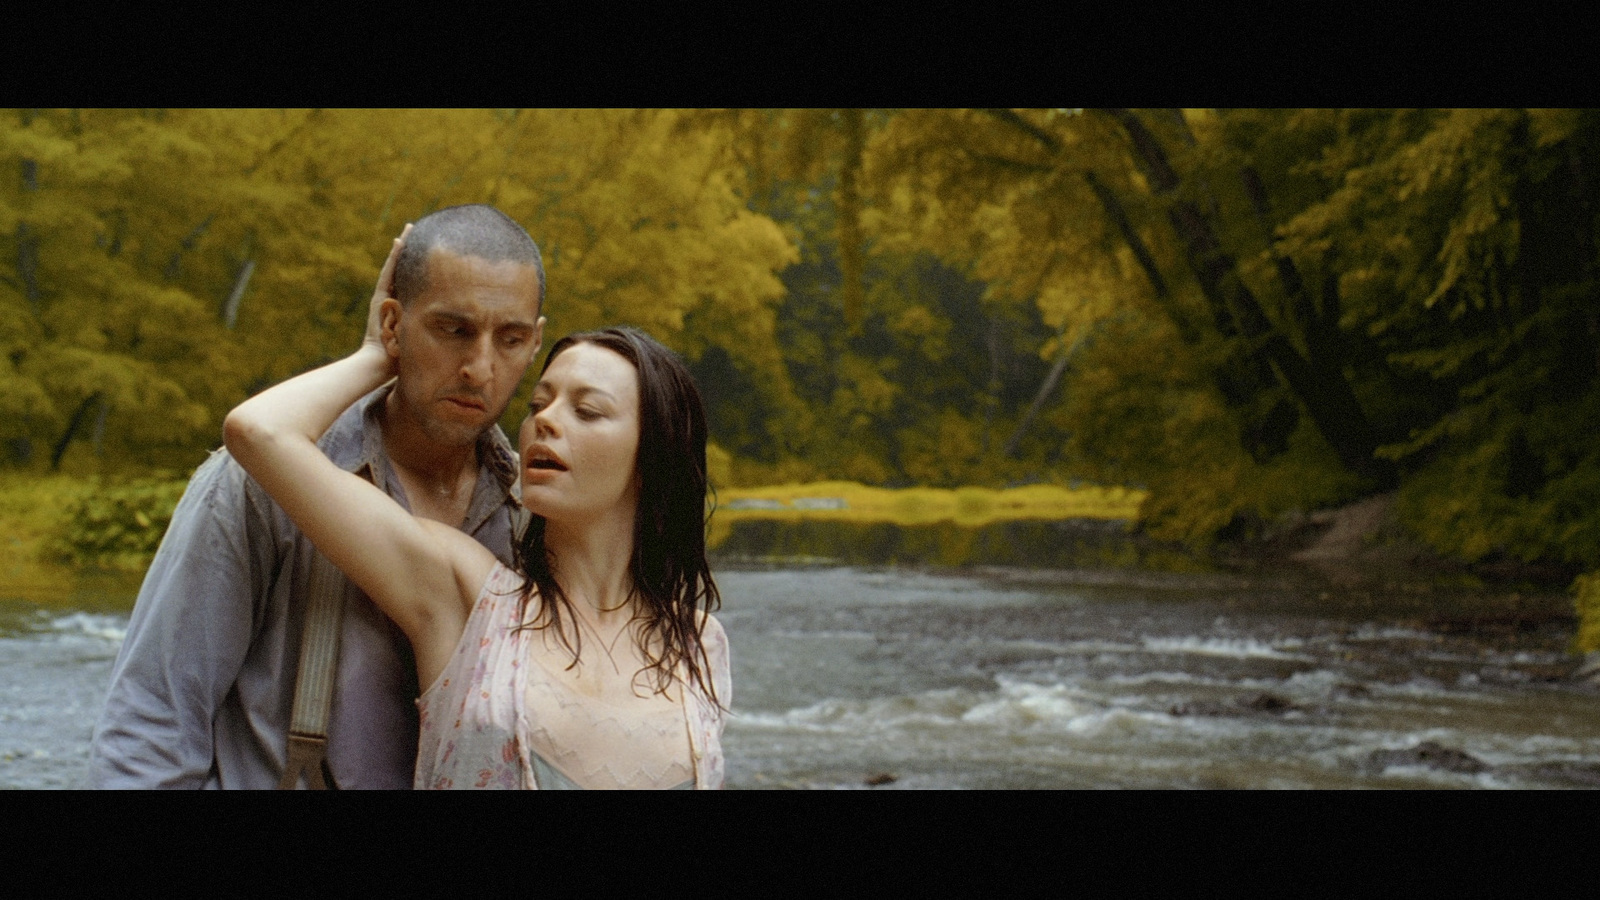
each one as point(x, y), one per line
point(593, 565)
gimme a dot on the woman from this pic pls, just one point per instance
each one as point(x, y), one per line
point(597, 664)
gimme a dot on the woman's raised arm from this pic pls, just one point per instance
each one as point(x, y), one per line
point(407, 565)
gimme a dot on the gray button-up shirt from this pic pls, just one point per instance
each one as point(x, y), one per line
point(203, 689)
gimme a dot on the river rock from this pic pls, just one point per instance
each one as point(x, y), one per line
point(1351, 691)
point(1267, 703)
point(1428, 753)
point(1255, 703)
point(1567, 774)
point(1199, 708)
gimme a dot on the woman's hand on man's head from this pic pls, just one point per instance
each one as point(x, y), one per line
point(382, 292)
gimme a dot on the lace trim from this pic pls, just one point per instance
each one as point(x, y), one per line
point(597, 745)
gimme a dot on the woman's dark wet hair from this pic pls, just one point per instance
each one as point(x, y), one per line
point(671, 578)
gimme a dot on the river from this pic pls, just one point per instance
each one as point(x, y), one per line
point(860, 675)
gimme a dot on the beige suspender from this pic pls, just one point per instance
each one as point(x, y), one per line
point(313, 686)
point(319, 658)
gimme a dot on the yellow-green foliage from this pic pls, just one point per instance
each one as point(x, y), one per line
point(878, 296)
point(59, 520)
point(1586, 597)
point(969, 506)
point(33, 510)
point(116, 526)
point(162, 264)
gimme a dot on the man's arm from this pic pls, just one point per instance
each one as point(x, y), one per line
point(200, 607)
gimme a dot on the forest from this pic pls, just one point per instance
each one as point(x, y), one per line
point(1246, 314)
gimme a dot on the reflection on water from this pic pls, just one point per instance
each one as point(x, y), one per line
point(51, 588)
point(1082, 543)
point(1057, 658)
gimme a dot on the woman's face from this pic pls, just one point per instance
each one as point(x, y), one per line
point(580, 442)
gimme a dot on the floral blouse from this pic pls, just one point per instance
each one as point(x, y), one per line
point(473, 718)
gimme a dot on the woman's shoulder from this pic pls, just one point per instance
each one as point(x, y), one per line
point(494, 586)
point(503, 577)
point(712, 636)
point(709, 626)
point(714, 642)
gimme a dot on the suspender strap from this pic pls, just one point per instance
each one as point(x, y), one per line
point(313, 688)
point(307, 755)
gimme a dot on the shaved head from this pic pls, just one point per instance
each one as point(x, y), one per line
point(473, 230)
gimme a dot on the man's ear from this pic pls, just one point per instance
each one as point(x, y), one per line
point(390, 312)
point(538, 337)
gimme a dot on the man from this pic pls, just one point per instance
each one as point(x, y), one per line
point(203, 689)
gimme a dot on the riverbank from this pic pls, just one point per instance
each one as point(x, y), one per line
point(1359, 551)
point(32, 515)
point(971, 506)
point(1364, 554)
point(1363, 544)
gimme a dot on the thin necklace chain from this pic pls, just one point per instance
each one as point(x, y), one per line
point(601, 639)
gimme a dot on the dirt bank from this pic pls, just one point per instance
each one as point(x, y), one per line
point(1361, 552)
point(1364, 545)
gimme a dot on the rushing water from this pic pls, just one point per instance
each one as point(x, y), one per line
point(850, 675)
point(846, 677)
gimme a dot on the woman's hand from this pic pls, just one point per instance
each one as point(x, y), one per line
point(408, 566)
point(383, 291)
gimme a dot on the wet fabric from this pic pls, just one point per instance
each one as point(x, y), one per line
point(203, 688)
point(475, 724)
point(596, 745)
point(549, 778)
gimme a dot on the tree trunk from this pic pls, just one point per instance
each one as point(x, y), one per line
point(1046, 388)
point(184, 246)
point(28, 242)
point(1118, 215)
point(72, 429)
point(849, 217)
point(991, 400)
point(1325, 395)
point(1314, 324)
point(230, 306)
point(28, 267)
point(98, 435)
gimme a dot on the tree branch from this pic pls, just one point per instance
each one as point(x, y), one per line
point(1010, 117)
point(72, 428)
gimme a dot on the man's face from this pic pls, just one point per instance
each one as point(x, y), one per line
point(462, 346)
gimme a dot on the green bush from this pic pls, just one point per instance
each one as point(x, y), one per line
point(118, 526)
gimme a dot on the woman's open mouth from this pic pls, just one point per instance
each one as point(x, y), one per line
point(543, 458)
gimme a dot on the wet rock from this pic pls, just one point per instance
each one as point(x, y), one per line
point(1267, 703)
point(1352, 692)
point(1271, 704)
point(880, 779)
point(1199, 708)
point(1428, 753)
point(1503, 624)
point(1567, 774)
